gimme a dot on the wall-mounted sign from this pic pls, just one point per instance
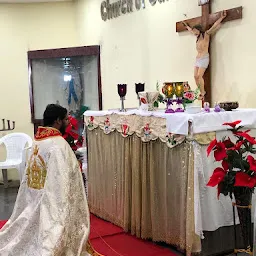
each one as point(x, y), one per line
point(113, 10)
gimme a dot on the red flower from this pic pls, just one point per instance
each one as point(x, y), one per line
point(233, 124)
point(252, 163)
point(220, 151)
point(244, 180)
point(72, 129)
point(73, 122)
point(228, 143)
point(217, 177)
point(211, 146)
point(237, 146)
point(91, 119)
point(225, 165)
point(246, 136)
point(80, 142)
point(190, 95)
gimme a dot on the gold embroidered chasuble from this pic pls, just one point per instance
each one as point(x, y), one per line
point(51, 215)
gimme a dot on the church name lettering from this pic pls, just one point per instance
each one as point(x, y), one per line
point(114, 10)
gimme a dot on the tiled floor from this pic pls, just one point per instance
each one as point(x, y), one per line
point(7, 199)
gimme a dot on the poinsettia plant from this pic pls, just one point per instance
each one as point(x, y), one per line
point(72, 134)
point(238, 166)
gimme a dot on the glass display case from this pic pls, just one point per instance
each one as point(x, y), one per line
point(69, 77)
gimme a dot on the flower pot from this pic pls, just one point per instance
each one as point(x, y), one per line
point(243, 197)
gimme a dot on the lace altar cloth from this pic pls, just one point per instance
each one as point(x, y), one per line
point(146, 124)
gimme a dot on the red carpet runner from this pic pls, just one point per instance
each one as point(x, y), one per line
point(111, 240)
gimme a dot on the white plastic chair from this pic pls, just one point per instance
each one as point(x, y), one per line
point(15, 146)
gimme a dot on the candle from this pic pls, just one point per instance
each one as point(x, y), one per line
point(179, 89)
point(169, 89)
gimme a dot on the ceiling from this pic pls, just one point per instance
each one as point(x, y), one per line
point(29, 1)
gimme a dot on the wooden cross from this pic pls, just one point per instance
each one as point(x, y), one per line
point(206, 21)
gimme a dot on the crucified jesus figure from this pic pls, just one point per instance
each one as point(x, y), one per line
point(202, 47)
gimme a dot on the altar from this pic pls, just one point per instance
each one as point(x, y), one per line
point(147, 173)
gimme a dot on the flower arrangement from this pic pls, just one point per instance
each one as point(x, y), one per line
point(238, 166)
point(189, 96)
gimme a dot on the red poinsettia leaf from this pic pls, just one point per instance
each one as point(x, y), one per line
point(65, 135)
point(228, 143)
point(233, 124)
point(211, 146)
point(225, 165)
point(217, 177)
point(74, 135)
point(69, 128)
point(237, 146)
point(246, 136)
point(252, 163)
point(244, 180)
point(73, 122)
point(220, 151)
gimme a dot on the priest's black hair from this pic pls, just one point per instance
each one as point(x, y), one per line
point(52, 113)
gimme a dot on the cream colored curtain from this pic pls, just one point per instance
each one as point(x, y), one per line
point(146, 188)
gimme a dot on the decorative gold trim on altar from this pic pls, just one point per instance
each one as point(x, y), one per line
point(145, 127)
point(36, 171)
point(204, 138)
point(46, 132)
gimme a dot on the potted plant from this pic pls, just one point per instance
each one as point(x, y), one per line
point(237, 174)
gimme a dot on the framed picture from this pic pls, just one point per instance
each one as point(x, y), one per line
point(67, 76)
point(202, 2)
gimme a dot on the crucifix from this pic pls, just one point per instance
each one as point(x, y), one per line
point(206, 21)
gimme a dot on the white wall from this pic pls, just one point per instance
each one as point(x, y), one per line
point(26, 27)
point(144, 47)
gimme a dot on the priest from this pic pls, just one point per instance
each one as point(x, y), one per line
point(51, 215)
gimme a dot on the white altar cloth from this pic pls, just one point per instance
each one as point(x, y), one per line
point(202, 122)
point(210, 213)
point(158, 113)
